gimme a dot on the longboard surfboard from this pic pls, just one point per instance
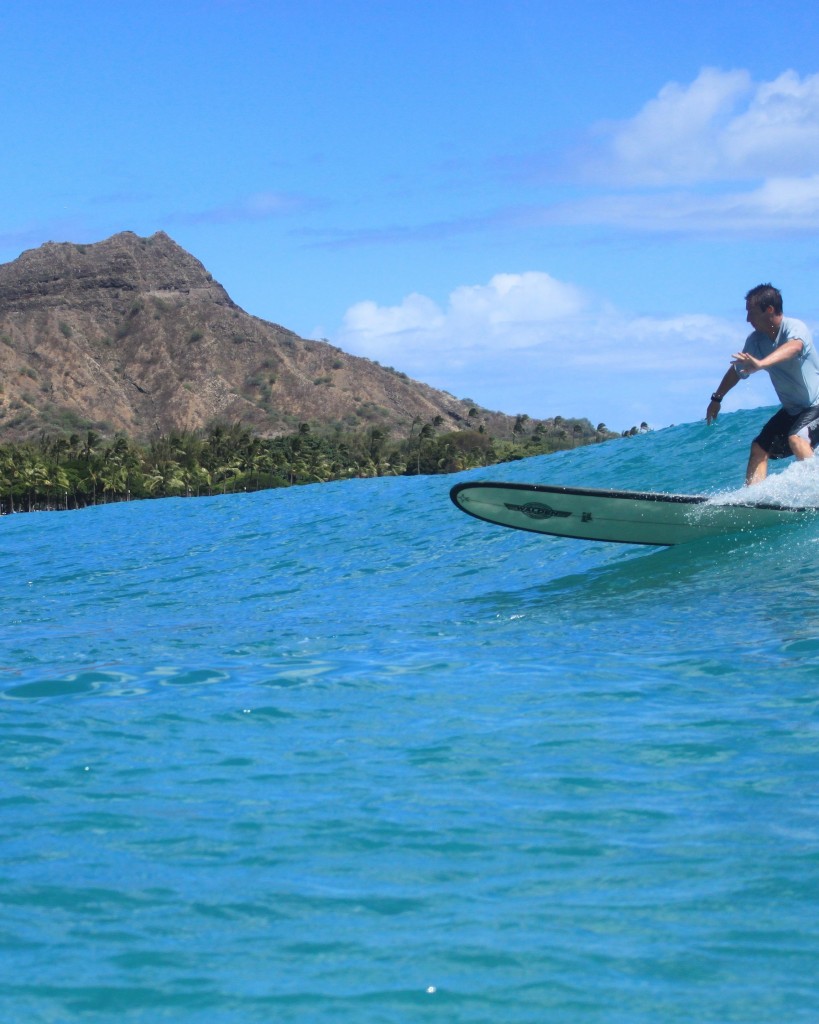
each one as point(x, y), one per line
point(626, 517)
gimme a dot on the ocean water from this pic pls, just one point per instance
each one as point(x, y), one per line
point(341, 753)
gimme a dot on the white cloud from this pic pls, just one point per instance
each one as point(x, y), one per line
point(512, 311)
point(672, 139)
point(781, 205)
point(721, 127)
point(720, 155)
point(794, 198)
point(378, 327)
point(530, 343)
point(779, 131)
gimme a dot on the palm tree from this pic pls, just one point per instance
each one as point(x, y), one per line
point(520, 423)
point(8, 474)
point(228, 471)
point(89, 446)
point(113, 479)
point(32, 474)
point(91, 479)
point(60, 482)
point(165, 478)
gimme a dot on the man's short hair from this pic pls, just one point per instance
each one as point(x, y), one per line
point(765, 295)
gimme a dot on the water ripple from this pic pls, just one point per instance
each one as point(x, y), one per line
point(339, 753)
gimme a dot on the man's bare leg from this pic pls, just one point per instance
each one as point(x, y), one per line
point(757, 465)
point(800, 447)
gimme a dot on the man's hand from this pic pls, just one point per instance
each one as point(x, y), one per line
point(744, 362)
point(712, 412)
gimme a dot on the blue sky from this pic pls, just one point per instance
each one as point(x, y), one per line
point(547, 207)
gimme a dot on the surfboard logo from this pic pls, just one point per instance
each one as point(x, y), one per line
point(537, 510)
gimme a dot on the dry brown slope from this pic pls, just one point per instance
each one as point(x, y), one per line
point(133, 335)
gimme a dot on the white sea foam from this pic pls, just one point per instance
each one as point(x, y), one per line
point(796, 486)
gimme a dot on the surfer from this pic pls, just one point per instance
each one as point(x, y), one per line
point(784, 347)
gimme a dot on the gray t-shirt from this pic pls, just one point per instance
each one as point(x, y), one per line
point(796, 381)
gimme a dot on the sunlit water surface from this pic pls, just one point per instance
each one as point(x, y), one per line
point(343, 754)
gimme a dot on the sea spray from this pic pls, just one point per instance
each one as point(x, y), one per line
point(795, 486)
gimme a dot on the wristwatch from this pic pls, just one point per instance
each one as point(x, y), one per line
point(716, 398)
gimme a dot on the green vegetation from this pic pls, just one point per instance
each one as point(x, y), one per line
point(86, 469)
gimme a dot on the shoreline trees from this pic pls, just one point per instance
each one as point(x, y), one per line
point(75, 471)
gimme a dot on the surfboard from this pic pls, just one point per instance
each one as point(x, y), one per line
point(626, 517)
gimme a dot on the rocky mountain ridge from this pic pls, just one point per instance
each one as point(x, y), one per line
point(132, 335)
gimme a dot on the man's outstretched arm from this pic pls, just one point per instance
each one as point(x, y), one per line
point(725, 385)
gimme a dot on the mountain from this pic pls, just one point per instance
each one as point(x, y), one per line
point(133, 335)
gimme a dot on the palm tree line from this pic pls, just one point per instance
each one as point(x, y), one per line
point(75, 471)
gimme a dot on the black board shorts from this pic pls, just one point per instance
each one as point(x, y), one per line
point(773, 438)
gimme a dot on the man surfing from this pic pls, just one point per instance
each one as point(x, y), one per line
point(784, 347)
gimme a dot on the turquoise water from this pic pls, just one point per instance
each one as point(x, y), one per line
point(341, 753)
